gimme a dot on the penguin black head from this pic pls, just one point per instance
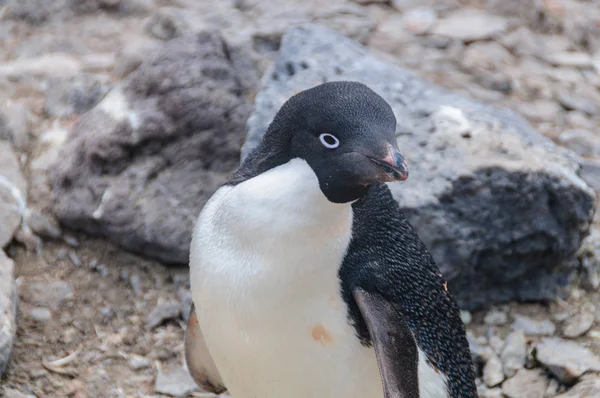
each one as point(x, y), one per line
point(343, 130)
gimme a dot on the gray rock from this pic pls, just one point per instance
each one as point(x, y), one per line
point(582, 142)
point(590, 172)
point(48, 294)
point(41, 314)
point(588, 387)
point(8, 310)
point(466, 317)
point(578, 325)
point(175, 383)
point(495, 318)
point(137, 362)
point(566, 360)
point(514, 353)
point(526, 384)
point(469, 24)
point(163, 312)
point(492, 372)
point(139, 167)
point(68, 97)
point(13, 191)
point(462, 181)
point(532, 327)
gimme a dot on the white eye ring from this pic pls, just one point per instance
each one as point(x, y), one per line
point(329, 141)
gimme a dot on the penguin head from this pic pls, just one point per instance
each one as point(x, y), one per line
point(346, 133)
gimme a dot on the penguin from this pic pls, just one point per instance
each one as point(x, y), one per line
point(306, 278)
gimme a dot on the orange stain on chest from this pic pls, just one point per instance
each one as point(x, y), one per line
point(321, 335)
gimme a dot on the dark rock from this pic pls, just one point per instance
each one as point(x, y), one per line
point(139, 167)
point(68, 97)
point(566, 360)
point(469, 163)
point(163, 312)
point(8, 310)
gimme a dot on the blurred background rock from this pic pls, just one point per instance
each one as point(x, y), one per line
point(119, 118)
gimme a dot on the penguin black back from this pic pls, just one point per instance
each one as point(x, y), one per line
point(386, 256)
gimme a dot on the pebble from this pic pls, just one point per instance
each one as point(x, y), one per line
point(492, 371)
point(166, 24)
point(49, 294)
point(74, 258)
point(495, 318)
point(14, 123)
point(579, 120)
point(532, 327)
point(583, 142)
point(466, 317)
point(540, 110)
point(12, 393)
point(40, 314)
point(574, 102)
point(71, 241)
point(137, 362)
point(565, 359)
point(418, 20)
point(164, 311)
point(514, 353)
point(469, 24)
point(43, 225)
point(132, 56)
point(569, 58)
point(526, 383)
point(578, 325)
point(175, 382)
point(42, 66)
point(588, 387)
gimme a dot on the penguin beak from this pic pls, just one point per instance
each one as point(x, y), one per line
point(393, 166)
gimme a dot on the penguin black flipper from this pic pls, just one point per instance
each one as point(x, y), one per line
point(394, 344)
point(387, 259)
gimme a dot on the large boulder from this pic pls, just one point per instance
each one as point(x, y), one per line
point(139, 166)
point(501, 208)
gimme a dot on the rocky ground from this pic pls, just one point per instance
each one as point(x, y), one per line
point(95, 320)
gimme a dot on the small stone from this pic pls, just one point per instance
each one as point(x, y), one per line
point(14, 124)
point(71, 241)
point(514, 353)
point(12, 393)
point(469, 24)
point(137, 362)
point(565, 359)
point(418, 20)
point(42, 66)
point(41, 314)
point(540, 110)
point(74, 258)
point(68, 97)
point(582, 142)
point(43, 225)
point(13, 191)
point(532, 327)
point(492, 372)
point(579, 120)
point(496, 343)
point(574, 102)
point(569, 58)
point(175, 382)
point(164, 311)
point(526, 383)
point(466, 317)
point(588, 387)
point(49, 294)
point(493, 393)
point(578, 325)
point(495, 318)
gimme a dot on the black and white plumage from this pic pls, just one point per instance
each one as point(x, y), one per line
point(306, 278)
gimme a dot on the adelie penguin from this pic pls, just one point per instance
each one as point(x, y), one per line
point(306, 278)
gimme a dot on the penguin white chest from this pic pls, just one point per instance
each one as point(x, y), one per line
point(264, 262)
point(264, 268)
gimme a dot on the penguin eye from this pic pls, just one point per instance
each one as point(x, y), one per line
point(329, 141)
